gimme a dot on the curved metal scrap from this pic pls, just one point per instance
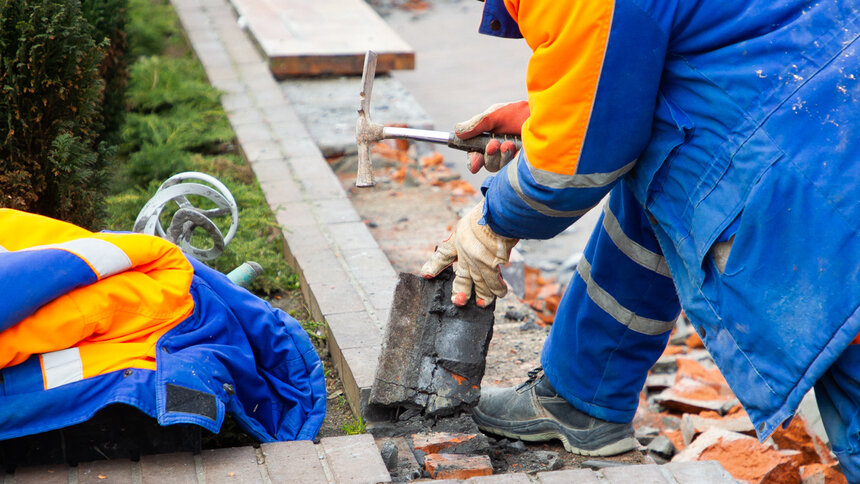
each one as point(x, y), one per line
point(188, 217)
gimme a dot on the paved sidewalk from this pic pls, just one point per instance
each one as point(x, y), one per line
point(342, 460)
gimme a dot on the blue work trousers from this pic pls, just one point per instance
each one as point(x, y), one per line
point(614, 321)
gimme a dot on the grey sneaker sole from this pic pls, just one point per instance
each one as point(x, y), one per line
point(581, 442)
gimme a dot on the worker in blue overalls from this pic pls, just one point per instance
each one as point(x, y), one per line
point(724, 134)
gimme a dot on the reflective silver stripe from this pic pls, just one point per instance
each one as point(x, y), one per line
point(587, 180)
point(62, 367)
point(636, 253)
point(107, 259)
point(514, 178)
point(621, 314)
point(3, 249)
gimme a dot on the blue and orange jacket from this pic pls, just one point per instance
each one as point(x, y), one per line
point(725, 119)
point(90, 319)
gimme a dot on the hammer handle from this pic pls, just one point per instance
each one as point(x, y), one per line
point(478, 143)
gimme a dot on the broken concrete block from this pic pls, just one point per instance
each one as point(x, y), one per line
point(434, 353)
point(450, 443)
point(389, 454)
point(656, 382)
point(691, 396)
point(662, 446)
point(534, 461)
point(406, 468)
point(693, 425)
point(457, 466)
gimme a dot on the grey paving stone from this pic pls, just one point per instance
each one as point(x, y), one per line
point(232, 86)
point(262, 84)
point(295, 462)
point(58, 474)
point(380, 290)
point(316, 176)
point(517, 478)
point(253, 70)
point(354, 459)
point(354, 330)
point(578, 476)
point(277, 172)
point(369, 264)
point(117, 471)
point(252, 132)
point(292, 216)
point(267, 96)
point(301, 241)
point(249, 115)
point(173, 468)
point(280, 192)
point(362, 365)
point(641, 474)
point(221, 73)
point(700, 472)
point(335, 211)
point(261, 150)
point(237, 464)
point(352, 235)
point(282, 113)
point(233, 102)
point(336, 297)
point(321, 267)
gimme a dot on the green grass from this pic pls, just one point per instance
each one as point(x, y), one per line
point(175, 123)
point(355, 427)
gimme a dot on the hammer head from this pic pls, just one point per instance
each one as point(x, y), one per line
point(366, 131)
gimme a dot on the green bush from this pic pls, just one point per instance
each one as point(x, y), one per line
point(109, 19)
point(50, 121)
point(152, 27)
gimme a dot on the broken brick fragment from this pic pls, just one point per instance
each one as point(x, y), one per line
point(799, 437)
point(457, 466)
point(434, 442)
point(748, 460)
point(822, 474)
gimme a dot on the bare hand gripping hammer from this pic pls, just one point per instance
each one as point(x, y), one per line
point(367, 132)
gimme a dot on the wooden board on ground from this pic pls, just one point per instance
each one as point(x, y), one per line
point(310, 38)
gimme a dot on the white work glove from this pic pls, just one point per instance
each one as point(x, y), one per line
point(478, 252)
point(503, 118)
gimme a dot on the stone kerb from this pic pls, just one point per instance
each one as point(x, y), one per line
point(346, 279)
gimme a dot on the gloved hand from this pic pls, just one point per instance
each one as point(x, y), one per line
point(500, 119)
point(478, 252)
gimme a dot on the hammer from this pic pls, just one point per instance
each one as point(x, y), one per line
point(366, 131)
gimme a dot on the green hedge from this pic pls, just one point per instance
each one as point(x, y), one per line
point(50, 111)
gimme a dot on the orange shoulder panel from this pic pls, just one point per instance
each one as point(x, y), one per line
point(568, 40)
point(129, 311)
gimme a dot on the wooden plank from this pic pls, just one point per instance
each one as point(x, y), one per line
point(302, 38)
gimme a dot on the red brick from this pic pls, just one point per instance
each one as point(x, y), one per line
point(433, 442)
point(822, 474)
point(457, 466)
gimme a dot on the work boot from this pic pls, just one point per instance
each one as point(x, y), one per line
point(535, 412)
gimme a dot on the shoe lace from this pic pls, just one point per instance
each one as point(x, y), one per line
point(534, 376)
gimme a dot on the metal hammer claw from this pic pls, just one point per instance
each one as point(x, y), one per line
point(367, 132)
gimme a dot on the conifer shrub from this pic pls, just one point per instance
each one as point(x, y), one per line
point(50, 120)
point(109, 20)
